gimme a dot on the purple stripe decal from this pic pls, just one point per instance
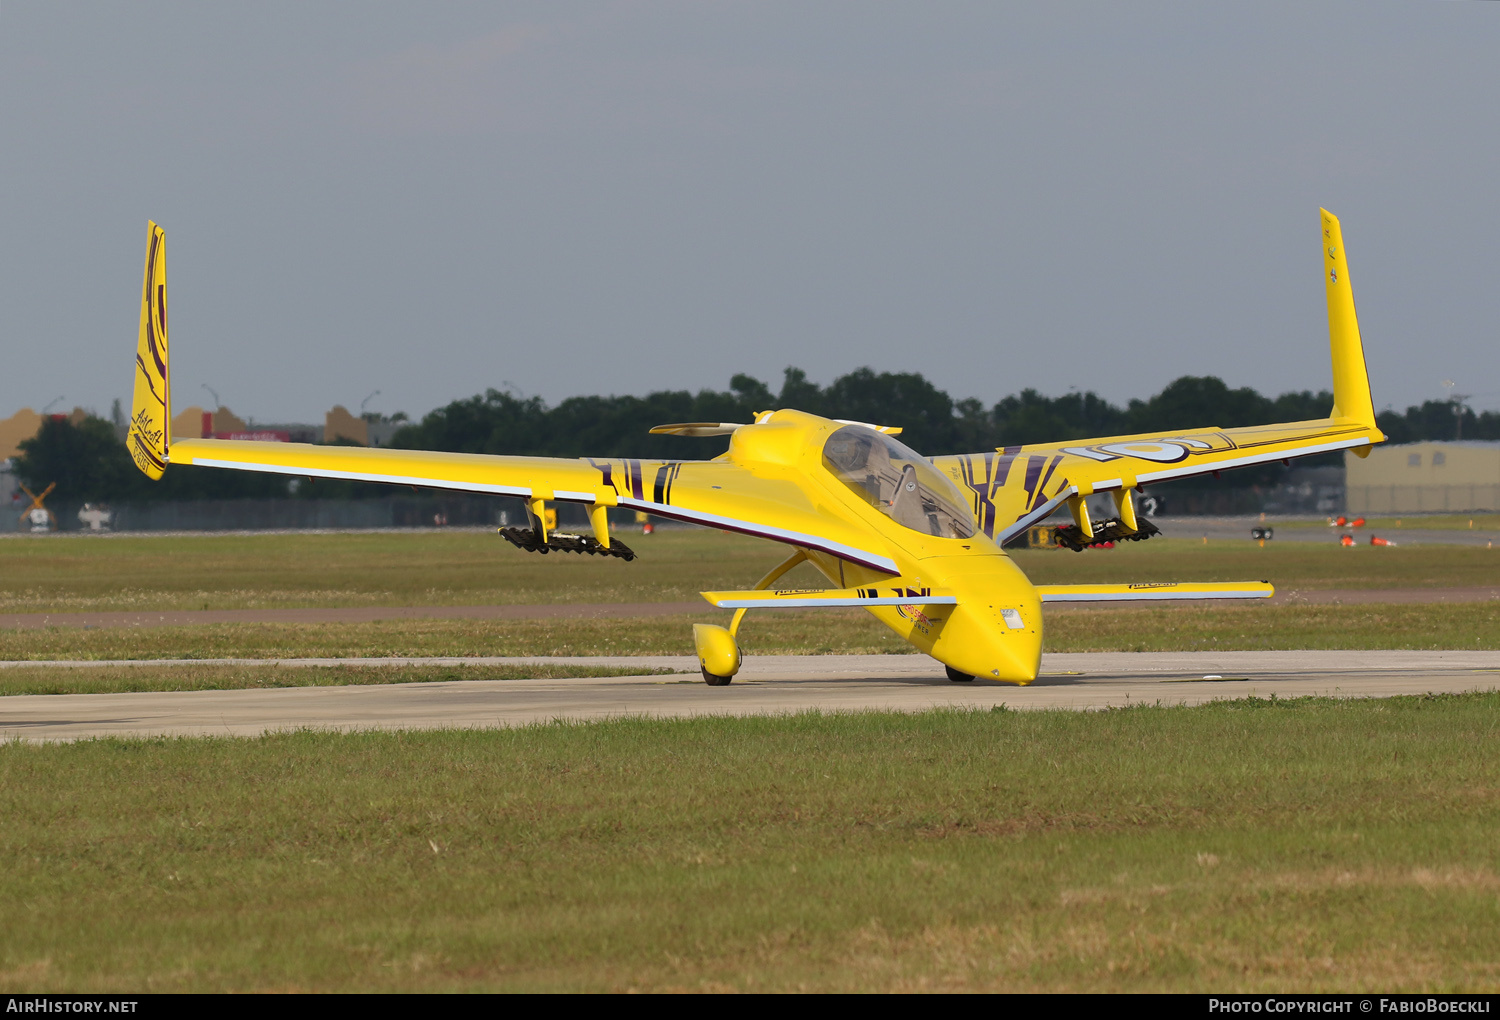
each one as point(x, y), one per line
point(1041, 489)
point(1033, 472)
point(606, 473)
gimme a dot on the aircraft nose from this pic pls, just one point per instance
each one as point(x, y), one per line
point(995, 631)
point(1001, 642)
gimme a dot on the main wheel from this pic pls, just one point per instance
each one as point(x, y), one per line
point(714, 679)
point(957, 677)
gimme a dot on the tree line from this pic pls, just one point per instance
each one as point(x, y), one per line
point(88, 461)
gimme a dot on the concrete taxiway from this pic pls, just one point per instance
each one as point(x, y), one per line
point(768, 685)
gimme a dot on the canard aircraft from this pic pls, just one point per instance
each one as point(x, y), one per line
point(918, 542)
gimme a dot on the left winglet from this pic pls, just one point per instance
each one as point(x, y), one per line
point(831, 598)
point(151, 410)
point(1154, 592)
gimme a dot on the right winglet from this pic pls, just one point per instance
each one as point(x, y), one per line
point(1351, 380)
point(151, 411)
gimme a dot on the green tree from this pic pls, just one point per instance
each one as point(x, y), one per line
point(87, 461)
point(1434, 420)
point(90, 464)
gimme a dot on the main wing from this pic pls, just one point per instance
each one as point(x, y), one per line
point(1016, 486)
point(1169, 591)
point(761, 501)
point(764, 502)
point(715, 493)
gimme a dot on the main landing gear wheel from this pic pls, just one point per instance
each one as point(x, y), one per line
point(714, 679)
point(953, 674)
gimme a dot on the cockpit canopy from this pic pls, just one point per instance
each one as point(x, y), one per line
point(897, 481)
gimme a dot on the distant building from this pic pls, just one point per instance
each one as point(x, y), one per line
point(383, 430)
point(196, 423)
point(16, 429)
point(1308, 490)
point(340, 424)
point(25, 424)
point(193, 422)
point(292, 432)
point(1457, 476)
point(372, 430)
point(10, 486)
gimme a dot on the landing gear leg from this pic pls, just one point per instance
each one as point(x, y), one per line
point(719, 647)
point(953, 674)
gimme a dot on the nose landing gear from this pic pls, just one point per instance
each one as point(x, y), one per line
point(957, 677)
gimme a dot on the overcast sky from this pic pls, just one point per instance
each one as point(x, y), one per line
point(431, 199)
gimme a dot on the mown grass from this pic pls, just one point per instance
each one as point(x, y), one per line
point(784, 632)
point(133, 679)
point(1473, 625)
point(1252, 845)
point(88, 574)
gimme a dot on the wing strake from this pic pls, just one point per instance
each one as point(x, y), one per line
point(832, 598)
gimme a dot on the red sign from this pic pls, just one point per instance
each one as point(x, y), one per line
point(259, 436)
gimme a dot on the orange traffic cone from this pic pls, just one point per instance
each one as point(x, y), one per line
point(1377, 540)
point(647, 528)
point(1358, 522)
point(1339, 523)
point(1346, 540)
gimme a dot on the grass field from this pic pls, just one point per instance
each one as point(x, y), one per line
point(132, 679)
point(84, 574)
point(1261, 845)
point(458, 568)
point(812, 632)
point(1265, 845)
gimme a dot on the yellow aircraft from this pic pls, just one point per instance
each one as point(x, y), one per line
point(916, 541)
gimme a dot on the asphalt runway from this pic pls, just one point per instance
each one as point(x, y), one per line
point(768, 685)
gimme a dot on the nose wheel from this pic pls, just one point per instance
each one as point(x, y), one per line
point(715, 680)
point(953, 674)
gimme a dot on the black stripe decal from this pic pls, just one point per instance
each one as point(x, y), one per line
point(145, 374)
point(150, 305)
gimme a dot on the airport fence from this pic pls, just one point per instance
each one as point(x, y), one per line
point(1413, 499)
